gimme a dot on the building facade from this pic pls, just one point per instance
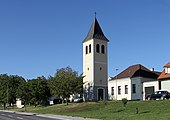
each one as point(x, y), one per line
point(134, 83)
point(95, 64)
point(164, 78)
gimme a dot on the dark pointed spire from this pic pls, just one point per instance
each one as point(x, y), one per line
point(95, 14)
point(95, 32)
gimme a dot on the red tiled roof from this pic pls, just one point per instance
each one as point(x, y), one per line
point(137, 70)
point(167, 65)
point(163, 75)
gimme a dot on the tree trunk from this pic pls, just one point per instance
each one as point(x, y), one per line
point(25, 106)
point(4, 106)
point(12, 106)
point(67, 101)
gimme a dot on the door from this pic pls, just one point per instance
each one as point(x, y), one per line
point(100, 94)
point(149, 91)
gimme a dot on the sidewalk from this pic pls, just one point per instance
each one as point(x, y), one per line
point(62, 117)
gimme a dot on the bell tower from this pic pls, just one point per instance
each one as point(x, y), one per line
point(95, 64)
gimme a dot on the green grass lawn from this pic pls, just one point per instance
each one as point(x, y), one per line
point(111, 110)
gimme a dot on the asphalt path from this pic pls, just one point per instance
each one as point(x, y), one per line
point(12, 115)
point(16, 116)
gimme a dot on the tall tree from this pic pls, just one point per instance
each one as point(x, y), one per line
point(66, 82)
point(8, 88)
point(13, 84)
point(24, 93)
point(40, 91)
point(4, 89)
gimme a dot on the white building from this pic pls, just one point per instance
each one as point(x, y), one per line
point(19, 103)
point(164, 78)
point(95, 64)
point(134, 83)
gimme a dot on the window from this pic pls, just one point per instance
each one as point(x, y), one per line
point(126, 89)
point(100, 81)
point(133, 88)
point(119, 90)
point(90, 48)
point(159, 82)
point(167, 70)
point(103, 49)
point(100, 68)
point(86, 50)
point(97, 48)
point(112, 90)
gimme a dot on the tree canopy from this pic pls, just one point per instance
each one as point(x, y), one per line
point(9, 85)
point(64, 83)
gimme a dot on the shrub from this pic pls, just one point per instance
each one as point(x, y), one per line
point(124, 101)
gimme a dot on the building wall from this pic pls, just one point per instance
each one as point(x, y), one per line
point(121, 83)
point(95, 69)
point(100, 64)
point(88, 63)
point(129, 82)
point(139, 82)
point(150, 84)
point(138, 94)
point(165, 85)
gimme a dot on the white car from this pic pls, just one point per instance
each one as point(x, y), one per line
point(78, 100)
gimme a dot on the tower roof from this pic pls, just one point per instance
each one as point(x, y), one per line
point(95, 32)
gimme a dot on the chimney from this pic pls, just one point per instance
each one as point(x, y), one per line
point(152, 69)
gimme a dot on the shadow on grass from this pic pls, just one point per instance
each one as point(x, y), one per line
point(144, 112)
point(119, 110)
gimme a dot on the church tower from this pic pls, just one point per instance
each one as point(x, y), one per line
point(95, 64)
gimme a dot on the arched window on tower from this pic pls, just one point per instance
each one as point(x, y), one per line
point(97, 48)
point(90, 48)
point(103, 49)
point(86, 49)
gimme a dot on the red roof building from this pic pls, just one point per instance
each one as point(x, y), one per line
point(134, 83)
point(167, 65)
point(165, 73)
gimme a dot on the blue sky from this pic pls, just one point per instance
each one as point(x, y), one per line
point(39, 36)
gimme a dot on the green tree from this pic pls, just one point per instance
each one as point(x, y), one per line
point(8, 88)
point(3, 89)
point(54, 84)
point(24, 93)
point(40, 91)
point(66, 82)
point(13, 84)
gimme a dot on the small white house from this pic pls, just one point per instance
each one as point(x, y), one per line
point(164, 78)
point(134, 83)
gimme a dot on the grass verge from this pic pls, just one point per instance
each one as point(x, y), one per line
point(109, 110)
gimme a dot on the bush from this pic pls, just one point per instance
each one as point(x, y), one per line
point(57, 101)
point(124, 101)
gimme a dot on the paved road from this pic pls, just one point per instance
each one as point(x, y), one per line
point(16, 116)
point(11, 115)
